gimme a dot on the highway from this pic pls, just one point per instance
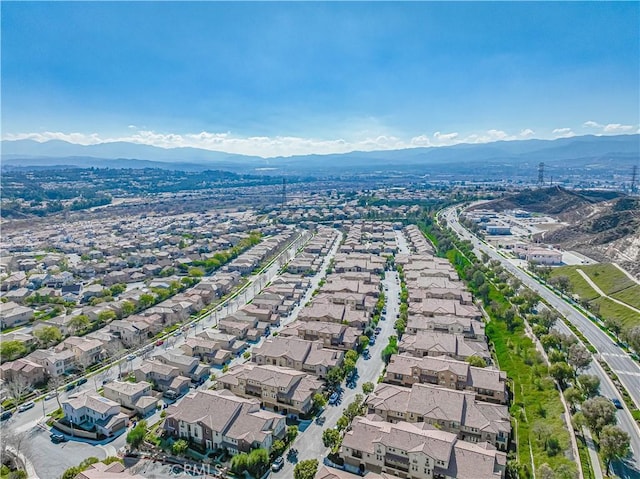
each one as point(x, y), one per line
point(618, 360)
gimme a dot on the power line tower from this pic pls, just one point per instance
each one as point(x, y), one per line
point(541, 174)
point(634, 178)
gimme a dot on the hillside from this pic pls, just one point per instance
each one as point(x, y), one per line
point(555, 201)
point(608, 231)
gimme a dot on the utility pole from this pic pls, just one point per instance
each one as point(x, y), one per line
point(634, 178)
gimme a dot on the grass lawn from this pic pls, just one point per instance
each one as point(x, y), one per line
point(578, 284)
point(536, 400)
point(609, 309)
point(608, 278)
point(630, 296)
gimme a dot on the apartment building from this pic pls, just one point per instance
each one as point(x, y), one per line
point(280, 389)
point(220, 419)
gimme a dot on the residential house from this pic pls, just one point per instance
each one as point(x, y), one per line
point(488, 384)
point(189, 366)
point(417, 451)
point(298, 354)
point(133, 396)
point(281, 389)
point(90, 411)
point(332, 335)
point(447, 409)
point(57, 363)
point(25, 370)
point(467, 327)
point(429, 343)
point(221, 420)
point(12, 314)
point(163, 376)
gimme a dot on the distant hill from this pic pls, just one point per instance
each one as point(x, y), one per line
point(600, 154)
point(555, 200)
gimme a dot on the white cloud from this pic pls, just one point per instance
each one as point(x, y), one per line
point(591, 124)
point(609, 128)
point(526, 133)
point(445, 137)
point(617, 128)
point(563, 133)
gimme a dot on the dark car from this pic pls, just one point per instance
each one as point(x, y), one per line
point(70, 386)
point(57, 438)
point(81, 381)
point(277, 464)
point(616, 402)
point(5, 415)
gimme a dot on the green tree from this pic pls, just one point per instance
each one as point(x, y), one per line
point(180, 447)
point(368, 387)
point(561, 372)
point(598, 413)
point(292, 432)
point(351, 355)
point(578, 356)
point(278, 447)
point(614, 444)
point(306, 469)
point(330, 437)
point(127, 308)
point(590, 385)
point(10, 350)
point(146, 300)
point(574, 396)
point(79, 323)
point(239, 463)
point(363, 342)
point(196, 272)
point(319, 401)
point(477, 361)
point(257, 462)
point(48, 335)
point(342, 423)
point(137, 434)
point(106, 315)
point(334, 376)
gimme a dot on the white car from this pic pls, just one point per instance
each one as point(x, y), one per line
point(25, 406)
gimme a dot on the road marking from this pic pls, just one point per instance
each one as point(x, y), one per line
point(628, 373)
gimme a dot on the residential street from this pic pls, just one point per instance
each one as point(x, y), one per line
point(46, 457)
point(309, 443)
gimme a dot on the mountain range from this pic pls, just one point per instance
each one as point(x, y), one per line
point(604, 153)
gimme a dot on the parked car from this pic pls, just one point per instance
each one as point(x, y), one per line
point(159, 342)
point(57, 438)
point(5, 415)
point(49, 396)
point(372, 341)
point(26, 406)
point(81, 381)
point(333, 399)
point(131, 357)
point(277, 464)
point(70, 386)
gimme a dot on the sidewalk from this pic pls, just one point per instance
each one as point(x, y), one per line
point(593, 454)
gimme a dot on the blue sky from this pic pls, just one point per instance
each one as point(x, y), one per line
point(286, 78)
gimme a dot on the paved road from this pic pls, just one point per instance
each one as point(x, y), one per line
point(51, 460)
point(627, 370)
point(630, 469)
point(309, 443)
point(618, 360)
